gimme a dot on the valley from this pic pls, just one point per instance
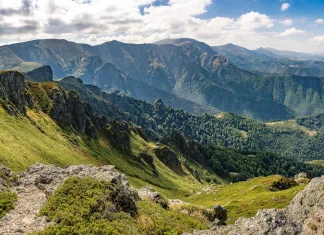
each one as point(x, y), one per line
point(181, 157)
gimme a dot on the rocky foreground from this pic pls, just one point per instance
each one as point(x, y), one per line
point(304, 215)
point(41, 180)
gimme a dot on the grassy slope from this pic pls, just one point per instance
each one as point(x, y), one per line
point(292, 124)
point(244, 198)
point(26, 67)
point(24, 141)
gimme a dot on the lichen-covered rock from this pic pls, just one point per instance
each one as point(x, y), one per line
point(301, 178)
point(39, 181)
point(148, 193)
point(304, 215)
point(41, 74)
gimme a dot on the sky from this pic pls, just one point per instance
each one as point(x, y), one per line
point(296, 25)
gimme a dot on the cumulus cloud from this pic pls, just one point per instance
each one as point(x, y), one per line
point(134, 21)
point(292, 32)
point(317, 39)
point(286, 22)
point(285, 6)
point(319, 21)
point(254, 20)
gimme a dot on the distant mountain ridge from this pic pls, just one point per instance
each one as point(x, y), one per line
point(269, 60)
point(185, 73)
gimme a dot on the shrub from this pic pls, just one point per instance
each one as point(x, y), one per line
point(7, 200)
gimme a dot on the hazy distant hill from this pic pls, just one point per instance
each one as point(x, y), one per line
point(268, 60)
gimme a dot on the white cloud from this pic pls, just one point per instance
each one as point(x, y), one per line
point(317, 39)
point(319, 21)
point(291, 32)
point(286, 22)
point(254, 20)
point(135, 21)
point(285, 6)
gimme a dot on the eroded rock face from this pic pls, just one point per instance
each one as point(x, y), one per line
point(304, 215)
point(39, 181)
point(119, 135)
point(69, 109)
point(12, 92)
point(169, 158)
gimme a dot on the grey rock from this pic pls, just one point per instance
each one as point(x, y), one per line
point(12, 92)
point(169, 158)
point(304, 215)
point(39, 181)
point(148, 193)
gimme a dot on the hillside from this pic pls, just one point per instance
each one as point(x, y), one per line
point(185, 73)
point(43, 122)
point(225, 129)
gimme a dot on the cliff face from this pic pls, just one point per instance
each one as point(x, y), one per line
point(66, 108)
point(13, 96)
point(304, 215)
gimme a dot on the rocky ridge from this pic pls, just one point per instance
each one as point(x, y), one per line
point(40, 181)
point(304, 215)
point(12, 92)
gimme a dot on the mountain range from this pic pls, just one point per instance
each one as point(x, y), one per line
point(184, 73)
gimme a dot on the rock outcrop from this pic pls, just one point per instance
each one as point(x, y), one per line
point(40, 180)
point(119, 135)
point(169, 158)
point(304, 215)
point(42, 74)
point(12, 92)
point(148, 193)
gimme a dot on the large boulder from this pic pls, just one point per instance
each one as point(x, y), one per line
point(148, 193)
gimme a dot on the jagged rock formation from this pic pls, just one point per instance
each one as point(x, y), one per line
point(41, 180)
point(304, 215)
point(119, 135)
point(12, 92)
point(169, 158)
point(69, 109)
point(42, 74)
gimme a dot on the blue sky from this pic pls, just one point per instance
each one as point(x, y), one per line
point(282, 24)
